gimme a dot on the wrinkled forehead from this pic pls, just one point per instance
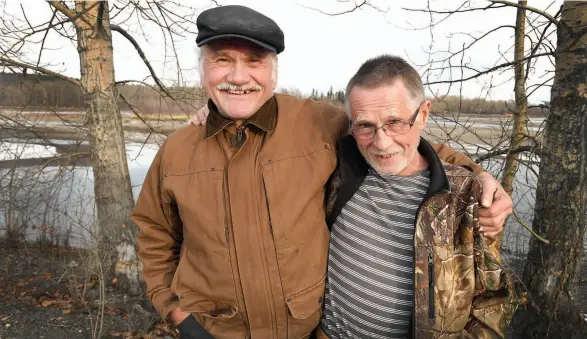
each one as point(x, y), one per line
point(234, 47)
point(379, 104)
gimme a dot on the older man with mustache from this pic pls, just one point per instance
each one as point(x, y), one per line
point(233, 236)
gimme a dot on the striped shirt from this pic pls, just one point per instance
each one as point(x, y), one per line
point(369, 290)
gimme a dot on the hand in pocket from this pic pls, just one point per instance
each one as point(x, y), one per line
point(189, 328)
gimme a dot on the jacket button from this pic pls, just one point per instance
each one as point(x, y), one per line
point(212, 169)
point(270, 161)
point(288, 299)
point(320, 299)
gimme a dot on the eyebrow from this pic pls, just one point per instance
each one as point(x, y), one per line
point(221, 53)
point(360, 118)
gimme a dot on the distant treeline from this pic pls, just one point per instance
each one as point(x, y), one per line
point(454, 104)
point(41, 91)
point(25, 90)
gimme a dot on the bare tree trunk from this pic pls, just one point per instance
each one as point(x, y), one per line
point(520, 115)
point(112, 188)
point(511, 162)
point(551, 271)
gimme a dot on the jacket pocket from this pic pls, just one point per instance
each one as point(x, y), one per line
point(305, 310)
point(196, 201)
point(220, 319)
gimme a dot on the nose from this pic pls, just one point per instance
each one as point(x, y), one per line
point(381, 140)
point(239, 74)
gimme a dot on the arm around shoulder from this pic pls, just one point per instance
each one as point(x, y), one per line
point(449, 155)
point(336, 122)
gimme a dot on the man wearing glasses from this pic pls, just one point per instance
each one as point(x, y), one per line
point(407, 257)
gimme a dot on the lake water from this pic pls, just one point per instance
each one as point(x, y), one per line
point(56, 203)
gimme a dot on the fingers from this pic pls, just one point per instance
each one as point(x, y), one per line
point(202, 114)
point(199, 119)
point(492, 218)
point(490, 186)
point(493, 223)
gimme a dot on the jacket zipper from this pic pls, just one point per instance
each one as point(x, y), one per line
point(224, 208)
point(430, 286)
point(431, 291)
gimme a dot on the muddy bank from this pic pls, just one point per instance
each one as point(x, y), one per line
point(49, 292)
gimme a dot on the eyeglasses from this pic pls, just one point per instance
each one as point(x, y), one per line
point(365, 131)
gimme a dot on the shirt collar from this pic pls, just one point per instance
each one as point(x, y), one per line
point(265, 118)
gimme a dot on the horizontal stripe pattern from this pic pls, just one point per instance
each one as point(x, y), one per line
point(369, 290)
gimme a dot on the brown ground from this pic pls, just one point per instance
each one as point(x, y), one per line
point(44, 294)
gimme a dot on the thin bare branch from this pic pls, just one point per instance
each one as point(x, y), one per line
point(45, 37)
point(451, 12)
point(63, 9)
point(142, 55)
point(488, 70)
point(505, 151)
point(5, 61)
point(365, 3)
point(528, 8)
point(521, 222)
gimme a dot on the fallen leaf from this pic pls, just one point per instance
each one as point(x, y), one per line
point(115, 334)
point(114, 280)
point(47, 303)
point(5, 318)
point(59, 318)
point(69, 311)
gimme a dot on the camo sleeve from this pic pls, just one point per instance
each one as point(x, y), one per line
point(493, 304)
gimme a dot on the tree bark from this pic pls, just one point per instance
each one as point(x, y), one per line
point(520, 115)
point(112, 188)
point(551, 271)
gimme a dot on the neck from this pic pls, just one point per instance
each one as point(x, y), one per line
point(237, 122)
point(417, 164)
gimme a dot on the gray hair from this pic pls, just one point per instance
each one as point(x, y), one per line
point(386, 70)
point(274, 62)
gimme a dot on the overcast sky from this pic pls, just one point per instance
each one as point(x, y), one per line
point(321, 50)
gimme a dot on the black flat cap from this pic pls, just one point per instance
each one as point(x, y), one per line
point(239, 22)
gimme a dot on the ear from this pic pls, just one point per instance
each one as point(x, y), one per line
point(425, 111)
point(275, 72)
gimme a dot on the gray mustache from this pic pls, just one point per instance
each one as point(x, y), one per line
point(225, 86)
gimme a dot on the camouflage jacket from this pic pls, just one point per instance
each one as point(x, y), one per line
point(461, 288)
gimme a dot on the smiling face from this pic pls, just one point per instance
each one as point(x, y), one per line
point(239, 77)
point(388, 154)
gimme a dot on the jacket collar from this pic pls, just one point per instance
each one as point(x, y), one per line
point(265, 118)
point(352, 161)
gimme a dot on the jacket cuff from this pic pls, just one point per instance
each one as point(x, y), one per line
point(164, 302)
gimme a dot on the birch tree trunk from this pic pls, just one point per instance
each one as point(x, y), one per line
point(112, 188)
point(552, 270)
point(520, 115)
